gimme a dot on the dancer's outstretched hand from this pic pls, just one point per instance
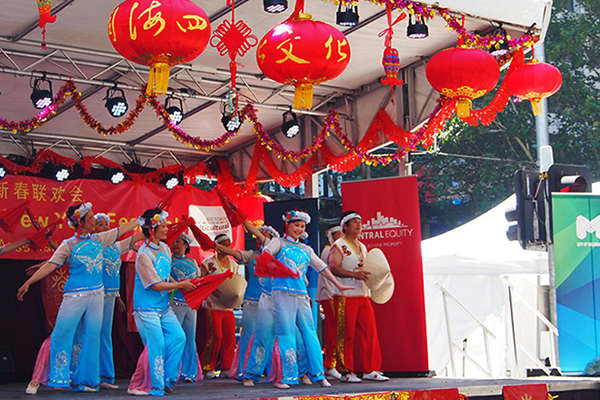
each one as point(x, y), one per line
point(22, 290)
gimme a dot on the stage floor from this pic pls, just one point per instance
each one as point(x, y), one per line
point(228, 389)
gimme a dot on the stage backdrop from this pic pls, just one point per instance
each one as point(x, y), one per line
point(390, 211)
point(49, 200)
point(576, 227)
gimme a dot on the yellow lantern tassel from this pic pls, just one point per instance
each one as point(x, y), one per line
point(303, 96)
point(536, 106)
point(463, 107)
point(158, 80)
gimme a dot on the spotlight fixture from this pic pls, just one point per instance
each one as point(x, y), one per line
point(117, 176)
point(116, 103)
point(170, 181)
point(41, 98)
point(416, 28)
point(175, 111)
point(346, 15)
point(3, 171)
point(290, 127)
point(275, 6)
point(231, 123)
point(499, 49)
point(61, 173)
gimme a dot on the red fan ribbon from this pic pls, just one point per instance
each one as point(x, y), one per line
point(202, 238)
point(234, 215)
point(10, 218)
point(178, 228)
point(269, 267)
point(204, 287)
point(40, 238)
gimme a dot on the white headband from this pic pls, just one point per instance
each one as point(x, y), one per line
point(329, 232)
point(157, 219)
point(186, 238)
point(348, 218)
point(221, 238)
point(270, 230)
point(81, 211)
point(102, 216)
point(294, 215)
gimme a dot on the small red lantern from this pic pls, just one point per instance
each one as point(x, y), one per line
point(303, 53)
point(463, 74)
point(534, 81)
point(159, 34)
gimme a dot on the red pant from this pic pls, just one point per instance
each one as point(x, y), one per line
point(358, 344)
point(330, 332)
point(220, 334)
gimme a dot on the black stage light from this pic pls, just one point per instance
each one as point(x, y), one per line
point(61, 173)
point(117, 176)
point(290, 126)
point(41, 98)
point(500, 48)
point(116, 103)
point(175, 111)
point(417, 29)
point(275, 6)
point(170, 181)
point(346, 15)
point(3, 171)
point(231, 123)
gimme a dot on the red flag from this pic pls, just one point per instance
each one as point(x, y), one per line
point(40, 237)
point(269, 267)
point(204, 287)
point(202, 238)
point(178, 228)
point(530, 392)
point(10, 218)
point(233, 213)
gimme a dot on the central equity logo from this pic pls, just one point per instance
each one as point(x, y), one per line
point(381, 227)
point(583, 226)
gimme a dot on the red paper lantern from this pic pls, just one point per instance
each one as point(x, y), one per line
point(303, 53)
point(159, 34)
point(463, 74)
point(534, 81)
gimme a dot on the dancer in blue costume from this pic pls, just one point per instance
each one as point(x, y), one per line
point(157, 324)
point(111, 264)
point(252, 295)
point(186, 268)
point(291, 304)
point(83, 300)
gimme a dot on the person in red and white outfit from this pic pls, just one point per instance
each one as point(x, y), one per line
point(325, 296)
point(220, 321)
point(358, 345)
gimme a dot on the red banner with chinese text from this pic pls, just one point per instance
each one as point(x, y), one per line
point(529, 392)
point(49, 200)
point(390, 215)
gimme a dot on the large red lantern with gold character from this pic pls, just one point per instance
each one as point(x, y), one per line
point(534, 81)
point(303, 53)
point(159, 34)
point(463, 74)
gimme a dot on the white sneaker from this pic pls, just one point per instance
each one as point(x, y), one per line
point(333, 373)
point(376, 376)
point(32, 388)
point(210, 375)
point(106, 385)
point(325, 383)
point(351, 378)
point(137, 392)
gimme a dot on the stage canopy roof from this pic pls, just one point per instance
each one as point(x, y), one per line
point(78, 47)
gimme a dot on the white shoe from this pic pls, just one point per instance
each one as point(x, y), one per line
point(210, 375)
point(376, 376)
point(325, 383)
point(32, 388)
point(137, 392)
point(351, 378)
point(333, 373)
point(106, 385)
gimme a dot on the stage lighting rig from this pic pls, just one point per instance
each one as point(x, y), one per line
point(116, 103)
point(41, 98)
point(61, 173)
point(117, 176)
point(416, 28)
point(290, 126)
point(231, 123)
point(346, 15)
point(175, 111)
point(275, 6)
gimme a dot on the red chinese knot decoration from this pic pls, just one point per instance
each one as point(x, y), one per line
point(44, 9)
point(463, 74)
point(534, 81)
point(159, 33)
point(303, 53)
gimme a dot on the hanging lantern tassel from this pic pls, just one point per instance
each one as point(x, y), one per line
point(158, 80)
point(44, 9)
point(536, 106)
point(303, 96)
point(463, 107)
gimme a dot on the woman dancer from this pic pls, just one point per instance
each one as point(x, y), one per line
point(221, 322)
point(291, 304)
point(83, 301)
point(158, 326)
point(186, 268)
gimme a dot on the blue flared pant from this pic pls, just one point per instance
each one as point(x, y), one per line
point(189, 361)
point(261, 352)
point(107, 365)
point(249, 310)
